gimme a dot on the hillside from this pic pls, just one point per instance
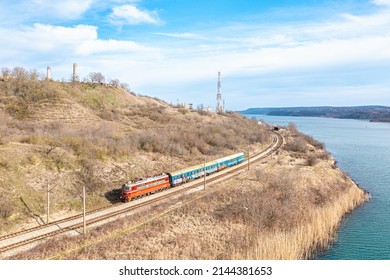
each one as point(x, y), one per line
point(287, 207)
point(372, 113)
point(61, 136)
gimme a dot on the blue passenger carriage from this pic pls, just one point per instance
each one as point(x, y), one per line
point(191, 173)
point(185, 175)
point(230, 160)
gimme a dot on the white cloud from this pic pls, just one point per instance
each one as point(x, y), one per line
point(47, 42)
point(18, 12)
point(382, 2)
point(108, 46)
point(324, 54)
point(185, 35)
point(66, 9)
point(131, 15)
point(46, 38)
point(70, 8)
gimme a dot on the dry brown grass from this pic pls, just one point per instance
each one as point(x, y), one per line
point(305, 240)
point(71, 133)
point(289, 210)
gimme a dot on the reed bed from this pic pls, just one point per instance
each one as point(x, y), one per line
point(306, 240)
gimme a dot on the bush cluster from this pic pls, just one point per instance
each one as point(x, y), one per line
point(275, 206)
point(194, 136)
point(6, 206)
point(298, 142)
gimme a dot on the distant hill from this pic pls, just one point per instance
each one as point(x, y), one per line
point(373, 113)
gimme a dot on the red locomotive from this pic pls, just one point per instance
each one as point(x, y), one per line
point(140, 187)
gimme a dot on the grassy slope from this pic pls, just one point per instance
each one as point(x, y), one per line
point(65, 135)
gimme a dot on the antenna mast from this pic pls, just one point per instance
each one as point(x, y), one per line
point(219, 107)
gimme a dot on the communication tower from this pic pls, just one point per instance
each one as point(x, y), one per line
point(219, 107)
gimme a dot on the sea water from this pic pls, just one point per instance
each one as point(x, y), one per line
point(362, 150)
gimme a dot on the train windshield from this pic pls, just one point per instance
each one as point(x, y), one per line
point(125, 188)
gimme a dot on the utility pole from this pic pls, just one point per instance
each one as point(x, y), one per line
point(84, 220)
point(204, 174)
point(249, 158)
point(48, 202)
point(170, 153)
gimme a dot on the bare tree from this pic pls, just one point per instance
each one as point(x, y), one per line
point(125, 86)
point(200, 106)
point(20, 73)
point(115, 82)
point(6, 72)
point(293, 128)
point(75, 79)
point(97, 77)
point(35, 75)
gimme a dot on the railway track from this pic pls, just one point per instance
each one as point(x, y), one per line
point(40, 227)
point(34, 234)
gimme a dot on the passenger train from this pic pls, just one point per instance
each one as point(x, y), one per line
point(139, 187)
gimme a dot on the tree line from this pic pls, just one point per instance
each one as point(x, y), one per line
point(21, 74)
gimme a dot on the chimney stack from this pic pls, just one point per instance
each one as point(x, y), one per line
point(48, 76)
point(74, 72)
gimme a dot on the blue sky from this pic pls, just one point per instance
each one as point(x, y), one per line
point(270, 53)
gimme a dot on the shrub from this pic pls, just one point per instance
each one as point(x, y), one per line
point(259, 174)
point(18, 109)
point(203, 112)
point(183, 110)
point(6, 206)
point(311, 160)
point(313, 142)
point(292, 127)
point(296, 144)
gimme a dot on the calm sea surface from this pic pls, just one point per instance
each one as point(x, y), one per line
point(362, 150)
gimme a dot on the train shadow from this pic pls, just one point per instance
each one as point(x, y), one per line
point(113, 196)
